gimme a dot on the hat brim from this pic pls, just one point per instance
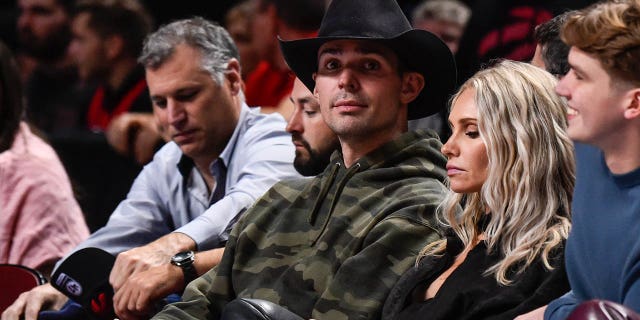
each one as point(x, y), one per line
point(419, 50)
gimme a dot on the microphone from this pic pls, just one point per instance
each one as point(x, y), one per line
point(84, 278)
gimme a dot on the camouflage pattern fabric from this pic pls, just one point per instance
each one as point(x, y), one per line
point(333, 246)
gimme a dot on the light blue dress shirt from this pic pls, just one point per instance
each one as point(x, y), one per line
point(170, 194)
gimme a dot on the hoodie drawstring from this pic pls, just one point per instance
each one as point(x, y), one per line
point(323, 193)
point(350, 173)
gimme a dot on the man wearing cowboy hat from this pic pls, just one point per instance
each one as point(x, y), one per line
point(331, 247)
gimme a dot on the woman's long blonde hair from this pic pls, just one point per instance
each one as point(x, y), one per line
point(531, 173)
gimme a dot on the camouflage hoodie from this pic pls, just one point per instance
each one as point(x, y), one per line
point(333, 246)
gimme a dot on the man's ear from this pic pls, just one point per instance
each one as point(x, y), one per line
point(233, 76)
point(114, 46)
point(633, 108)
point(412, 85)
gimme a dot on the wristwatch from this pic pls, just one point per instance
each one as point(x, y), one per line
point(185, 260)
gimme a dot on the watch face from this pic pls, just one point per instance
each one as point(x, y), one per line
point(182, 257)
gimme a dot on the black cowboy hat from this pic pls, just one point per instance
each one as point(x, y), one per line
point(384, 21)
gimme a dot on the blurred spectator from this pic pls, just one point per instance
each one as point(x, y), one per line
point(107, 39)
point(446, 19)
point(269, 85)
point(40, 220)
point(551, 52)
point(44, 33)
point(238, 23)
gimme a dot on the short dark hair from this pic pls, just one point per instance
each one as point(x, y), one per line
point(11, 104)
point(303, 15)
point(554, 51)
point(126, 18)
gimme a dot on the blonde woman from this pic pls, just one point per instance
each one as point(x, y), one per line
point(511, 166)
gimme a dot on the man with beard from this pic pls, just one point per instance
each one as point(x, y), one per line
point(43, 30)
point(313, 139)
point(44, 33)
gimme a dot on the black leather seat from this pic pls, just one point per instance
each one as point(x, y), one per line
point(602, 310)
point(256, 309)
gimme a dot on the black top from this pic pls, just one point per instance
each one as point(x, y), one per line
point(142, 102)
point(467, 293)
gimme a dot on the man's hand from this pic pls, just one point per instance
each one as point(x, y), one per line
point(30, 303)
point(537, 314)
point(136, 298)
point(135, 134)
point(155, 254)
